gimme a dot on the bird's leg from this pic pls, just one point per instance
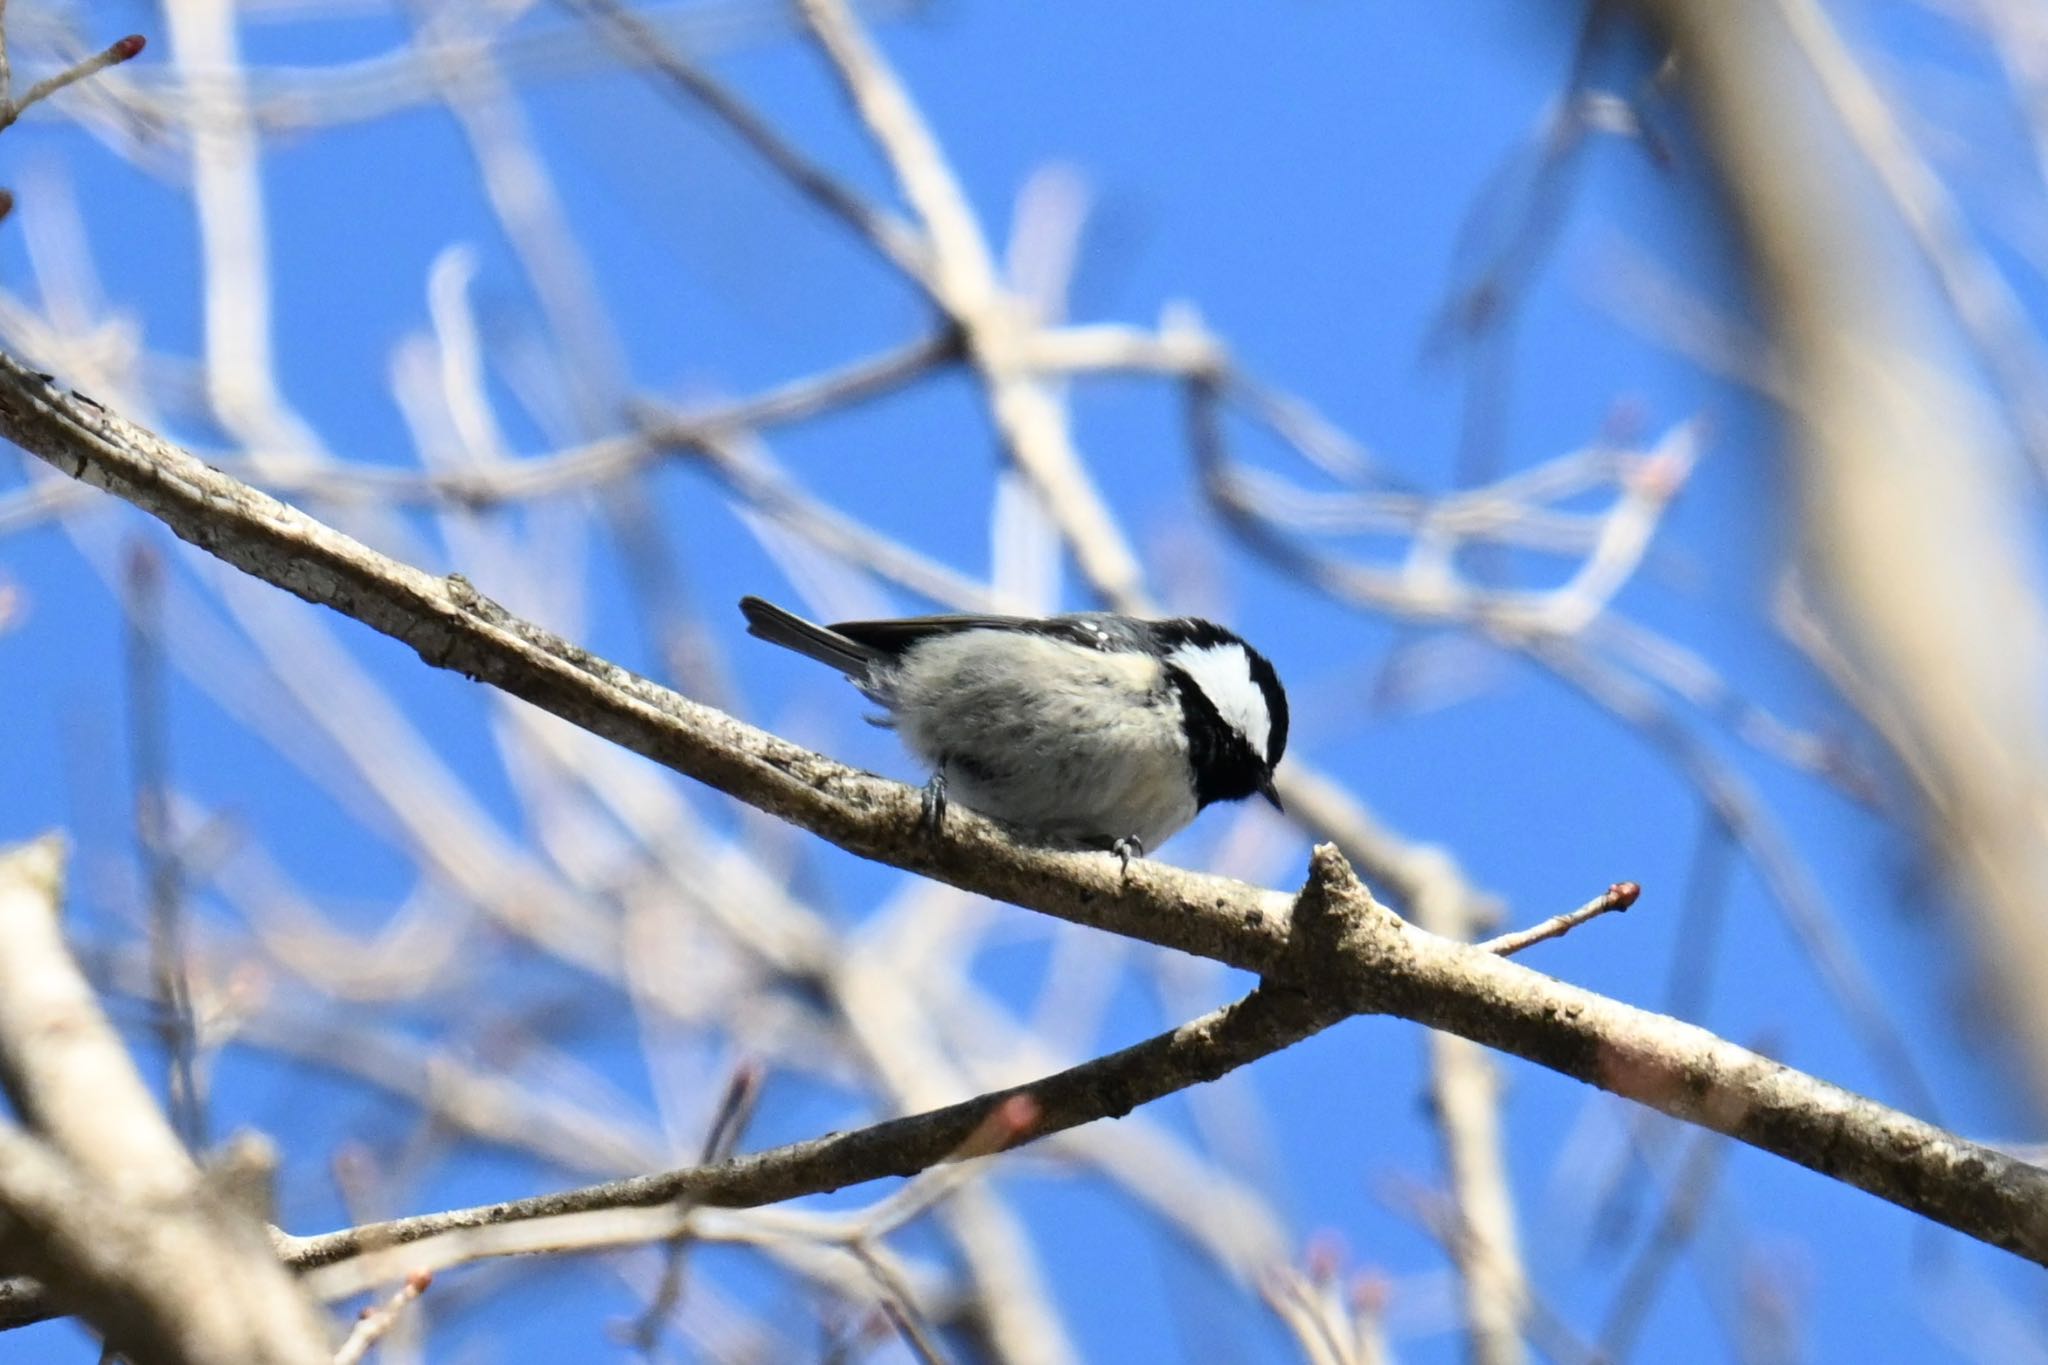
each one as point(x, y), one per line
point(932, 815)
point(1127, 848)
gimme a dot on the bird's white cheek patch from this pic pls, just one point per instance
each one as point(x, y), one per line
point(1224, 673)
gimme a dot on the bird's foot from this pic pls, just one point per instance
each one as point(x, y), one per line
point(932, 812)
point(1127, 848)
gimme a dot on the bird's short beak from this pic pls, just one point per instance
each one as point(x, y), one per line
point(1267, 790)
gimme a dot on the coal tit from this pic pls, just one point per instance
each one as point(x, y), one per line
point(1097, 730)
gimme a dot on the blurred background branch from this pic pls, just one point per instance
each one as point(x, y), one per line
point(621, 310)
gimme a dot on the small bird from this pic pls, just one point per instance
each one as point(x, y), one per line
point(1094, 730)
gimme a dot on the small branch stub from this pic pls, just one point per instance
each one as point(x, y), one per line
point(1619, 896)
point(120, 50)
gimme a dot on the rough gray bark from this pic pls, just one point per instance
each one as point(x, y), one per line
point(1333, 943)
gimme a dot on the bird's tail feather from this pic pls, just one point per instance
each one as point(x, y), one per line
point(766, 621)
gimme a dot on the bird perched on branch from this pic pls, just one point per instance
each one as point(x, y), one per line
point(1095, 729)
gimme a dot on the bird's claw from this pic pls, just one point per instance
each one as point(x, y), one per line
point(932, 810)
point(1127, 848)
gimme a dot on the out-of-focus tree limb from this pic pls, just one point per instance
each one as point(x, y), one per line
point(1201, 1050)
point(1464, 1082)
point(1909, 501)
point(1334, 943)
point(993, 323)
point(103, 1205)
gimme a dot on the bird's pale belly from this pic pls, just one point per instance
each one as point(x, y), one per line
point(1096, 803)
point(1098, 757)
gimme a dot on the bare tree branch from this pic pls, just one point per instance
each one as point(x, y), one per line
point(1922, 564)
point(699, 927)
point(116, 52)
point(111, 1213)
point(895, 240)
point(1198, 1051)
point(992, 320)
point(1345, 952)
point(1619, 896)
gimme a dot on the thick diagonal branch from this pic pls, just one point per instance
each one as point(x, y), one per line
point(1362, 958)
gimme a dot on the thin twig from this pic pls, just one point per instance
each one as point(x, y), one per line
point(1547, 1328)
point(1693, 1185)
point(1794, 888)
point(640, 45)
point(1619, 896)
point(735, 1107)
point(149, 744)
point(1306, 1309)
point(899, 1306)
point(116, 52)
point(375, 1322)
point(576, 469)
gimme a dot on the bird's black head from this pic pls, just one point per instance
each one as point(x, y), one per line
point(1233, 707)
